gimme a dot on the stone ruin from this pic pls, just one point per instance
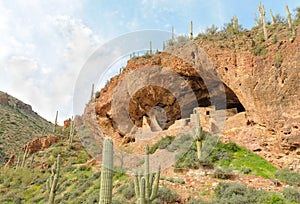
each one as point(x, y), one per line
point(211, 120)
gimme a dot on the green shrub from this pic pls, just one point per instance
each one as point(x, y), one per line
point(166, 195)
point(227, 190)
point(222, 173)
point(260, 49)
point(246, 170)
point(97, 94)
point(290, 177)
point(84, 168)
point(162, 144)
point(198, 201)
point(291, 195)
point(188, 159)
point(272, 198)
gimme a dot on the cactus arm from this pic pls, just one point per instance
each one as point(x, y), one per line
point(151, 180)
point(155, 187)
point(136, 185)
point(52, 182)
point(146, 175)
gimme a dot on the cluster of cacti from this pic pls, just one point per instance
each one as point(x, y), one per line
point(191, 30)
point(199, 135)
point(262, 13)
point(52, 181)
point(55, 122)
point(146, 183)
point(106, 172)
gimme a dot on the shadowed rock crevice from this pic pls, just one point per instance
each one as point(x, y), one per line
point(155, 101)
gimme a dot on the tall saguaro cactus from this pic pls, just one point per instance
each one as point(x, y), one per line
point(262, 13)
point(146, 186)
point(289, 18)
point(55, 122)
point(25, 156)
point(52, 182)
point(71, 133)
point(191, 30)
point(150, 48)
point(106, 172)
point(92, 92)
point(199, 135)
point(173, 35)
point(290, 23)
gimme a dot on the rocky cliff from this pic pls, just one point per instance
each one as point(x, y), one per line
point(19, 124)
point(259, 78)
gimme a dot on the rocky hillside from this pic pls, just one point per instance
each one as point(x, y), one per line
point(19, 124)
point(261, 79)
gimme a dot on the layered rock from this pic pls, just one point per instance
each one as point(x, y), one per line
point(41, 143)
point(266, 87)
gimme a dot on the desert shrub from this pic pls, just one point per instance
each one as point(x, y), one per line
point(260, 49)
point(162, 144)
point(188, 159)
point(129, 192)
point(181, 143)
point(198, 201)
point(222, 173)
point(84, 168)
point(97, 94)
point(290, 177)
point(246, 170)
point(173, 180)
point(291, 195)
point(271, 198)
point(277, 60)
point(227, 190)
point(166, 195)
point(236, 193)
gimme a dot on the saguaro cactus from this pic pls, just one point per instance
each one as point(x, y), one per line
point(150, 48)
point(71, 133)
point(173, 35)
point(272, 17)
point(191, 30)
point(145, 187)
point(55, 122)
point(262, 13)
point(106, 172)
point(199, 135)
point(52, 182)
point(289, 19)
point(18, 161)
point(25, 156)
point(92, 92)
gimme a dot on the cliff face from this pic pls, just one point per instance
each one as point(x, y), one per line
point(266, 87)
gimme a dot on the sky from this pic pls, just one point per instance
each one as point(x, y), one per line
point(44, 44)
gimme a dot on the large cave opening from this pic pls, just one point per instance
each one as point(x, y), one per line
point(154, 101)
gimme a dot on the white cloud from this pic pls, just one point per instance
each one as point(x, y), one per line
point(42, 51)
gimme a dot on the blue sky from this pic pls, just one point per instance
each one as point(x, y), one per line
point(45, 44)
